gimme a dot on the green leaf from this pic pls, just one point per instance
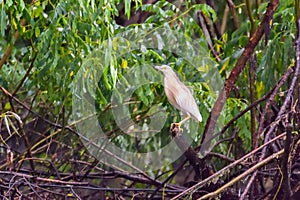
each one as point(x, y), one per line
point(37, 11)
point(37, 32)
point(105, 79)
point(9, 3)
point(21, 5)
point(7, 106)
point(142, 97)
point(3, 22)
point(127, 8)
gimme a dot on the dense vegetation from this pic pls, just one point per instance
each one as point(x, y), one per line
point(83, 113)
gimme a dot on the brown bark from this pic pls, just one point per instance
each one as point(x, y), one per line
point(236, 71)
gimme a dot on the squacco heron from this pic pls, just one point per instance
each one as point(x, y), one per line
point(179, 95)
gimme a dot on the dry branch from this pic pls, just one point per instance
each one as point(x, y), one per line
point(226, 169)
point(236, 71)
point(188, 151)
point(283, 108)
point(243, 175)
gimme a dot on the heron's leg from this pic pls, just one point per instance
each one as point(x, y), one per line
point(182, 121)
point(185, 119)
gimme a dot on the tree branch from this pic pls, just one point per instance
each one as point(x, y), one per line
point(286, 103)
point(236, 71)
point(226, 169)
point(243, 175)
point(188, 151)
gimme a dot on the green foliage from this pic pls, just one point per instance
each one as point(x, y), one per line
point(69, 35)
point(62, 33)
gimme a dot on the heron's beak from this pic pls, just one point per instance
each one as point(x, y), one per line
point(157, 67)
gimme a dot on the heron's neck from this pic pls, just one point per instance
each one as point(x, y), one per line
point(171, 77)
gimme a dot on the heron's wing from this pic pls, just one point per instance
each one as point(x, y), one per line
point(171, 94)
point(187, 103)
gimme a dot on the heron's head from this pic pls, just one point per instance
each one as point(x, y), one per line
point(163, 68)
point(166, 70)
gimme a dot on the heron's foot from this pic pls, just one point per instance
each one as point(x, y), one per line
point(177, 124)
point(175, 129)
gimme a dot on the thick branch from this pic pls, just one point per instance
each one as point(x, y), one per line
point(188, 151)
point(285, 105)
point(236, 71)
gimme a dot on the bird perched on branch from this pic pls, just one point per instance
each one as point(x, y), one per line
point(179, 95)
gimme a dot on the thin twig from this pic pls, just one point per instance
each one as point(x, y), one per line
point(271, 93)
point(17, 174)
point(226, 169)
point(283, 108)
point(249, 10)
point(252, 77)
point(201, 22)
point(234, 14)
point(25, 76)
point(271, 99)
point(69, 128)
point(243, 175)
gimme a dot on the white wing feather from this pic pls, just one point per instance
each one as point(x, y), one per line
point(187, 103)
point(184, 101)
